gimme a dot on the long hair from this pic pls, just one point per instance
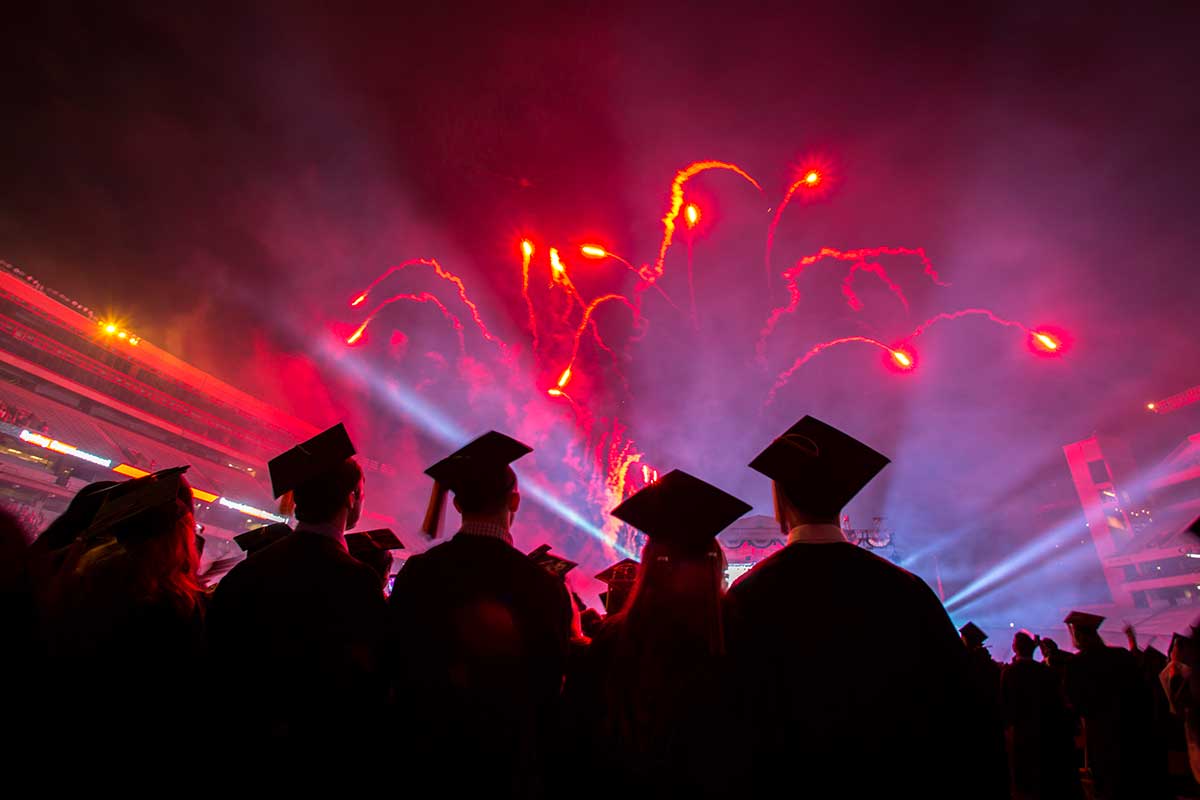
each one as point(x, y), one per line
point(669, 629)
point(134, 567)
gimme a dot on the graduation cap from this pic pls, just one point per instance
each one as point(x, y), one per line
point(556, 566)
point(973, 634)
point(620, 578)
point(681, 511)
point(476, 472)
point(1084, 620)
point(378, 539)
point(1194, 528)
point(254, 540)
point(819, 467)
point(149, 504)
point(304, 462)
point(624, 571)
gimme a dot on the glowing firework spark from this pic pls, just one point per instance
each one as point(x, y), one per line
point(1047, 341)
point(692, 214)
point(858, 262)
point(652, 274)
point(526, 257)
point(445, 275)
point(593, 251)
point(566, 376)
point(422, 297)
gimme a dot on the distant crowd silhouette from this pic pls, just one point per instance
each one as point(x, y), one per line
point(825, 671)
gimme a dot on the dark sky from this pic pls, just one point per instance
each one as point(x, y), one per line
point(226, 179)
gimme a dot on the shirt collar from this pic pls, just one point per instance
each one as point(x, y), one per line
point(329, 530)
point(825, 533)
point(489, 529)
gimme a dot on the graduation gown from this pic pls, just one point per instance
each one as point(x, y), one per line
point(655, 734)
point(1039, 732)
point(122, 676)
point(293, 630)
point(478, 641)
point(1104, 685)
point(850, 680)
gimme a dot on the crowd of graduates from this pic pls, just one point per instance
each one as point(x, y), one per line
point(825, 671)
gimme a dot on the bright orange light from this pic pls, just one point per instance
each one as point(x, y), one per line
point(122, 335)
point(358, 301)
point(1151, 406)
point(203, 496)
point(131, 471)
point(593, 251)
point(555, 262)
point(554, 392)
point(1046, 341)
point(902, 359)
point(691, 214)
point(358, 334)
point(812, 177)
point(110, 328)
point(527, 247)
point(566, 376)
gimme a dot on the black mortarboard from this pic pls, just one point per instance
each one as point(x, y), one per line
point(972, 633)
point(820, 468)
point(1084, 620)
point(681, 511)
point(254, 540)
point(624, 571)
point(556, 566)
point(148, 504)
point(309, 460)
point(1194, 528)
point(474, 472)
point(620, 578)
point(378, 539)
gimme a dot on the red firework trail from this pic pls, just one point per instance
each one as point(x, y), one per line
point(1042, 340)
point(526, 256)
point(859, 262)
point(652, 274)
point(785, 376)
point(444, 275)
point(422, 297)
point(587, 319)
point(966, 312)
point(810, 179)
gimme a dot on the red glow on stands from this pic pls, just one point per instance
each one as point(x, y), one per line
point(692, 214)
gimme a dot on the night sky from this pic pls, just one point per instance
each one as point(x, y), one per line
point(226, 180)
